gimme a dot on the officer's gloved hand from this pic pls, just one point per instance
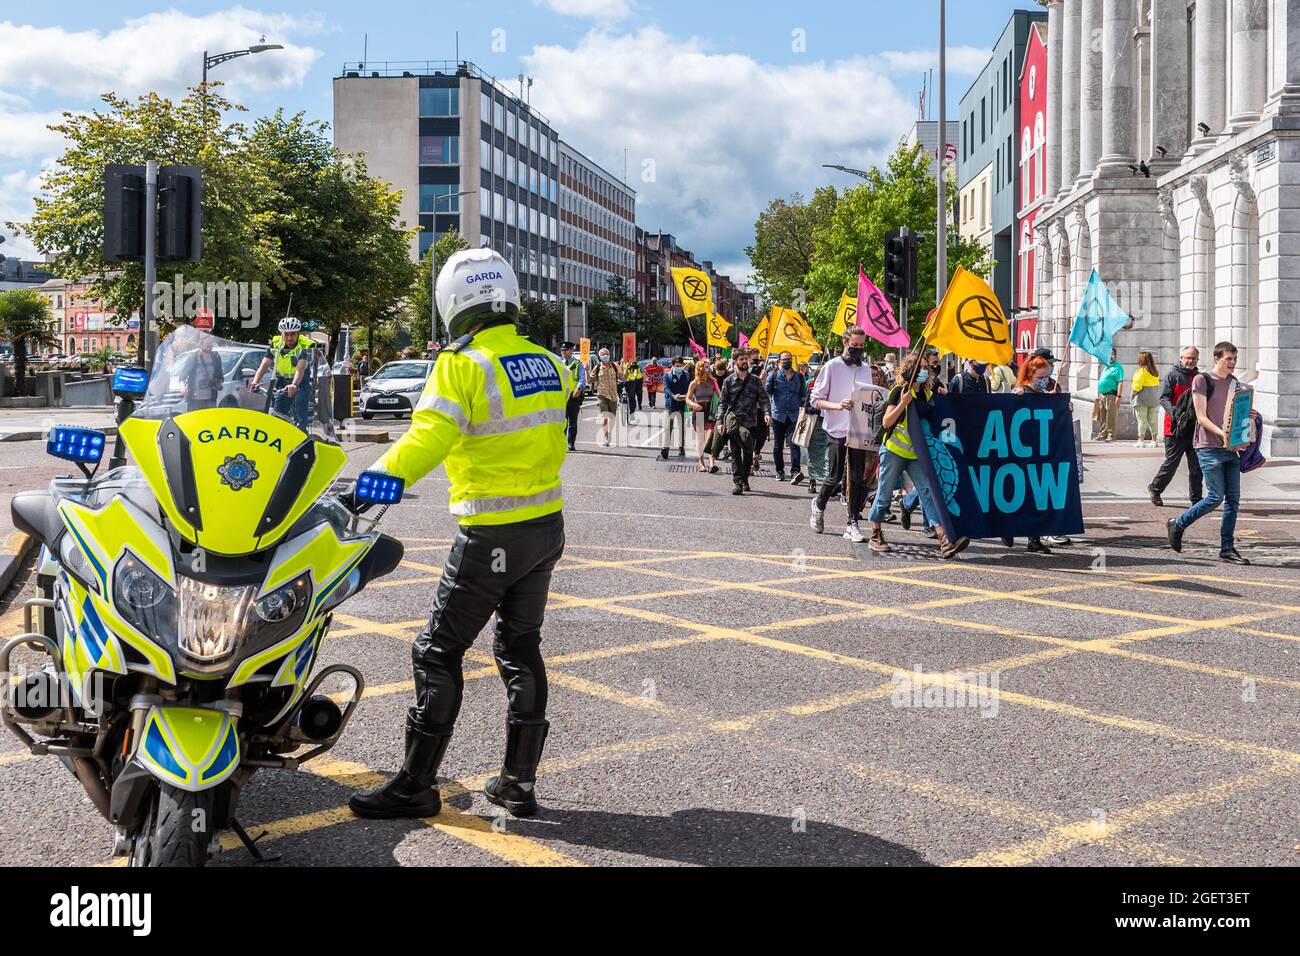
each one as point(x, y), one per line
point(348, 499)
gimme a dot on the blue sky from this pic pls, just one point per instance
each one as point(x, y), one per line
point(720, 106)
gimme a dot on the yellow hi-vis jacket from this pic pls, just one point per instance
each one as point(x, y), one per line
point(494, 412)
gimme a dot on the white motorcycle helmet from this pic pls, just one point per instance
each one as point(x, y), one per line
point(476, 283)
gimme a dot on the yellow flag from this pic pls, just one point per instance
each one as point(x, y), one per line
point(846, 315)
point(694, 290)
point(717, 331)
point(792, 334)
point(762, 335)
point(970, 322)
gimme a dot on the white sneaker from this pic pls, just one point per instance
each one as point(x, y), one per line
point(1139, 444)
point(851, 533)
point(818, 518)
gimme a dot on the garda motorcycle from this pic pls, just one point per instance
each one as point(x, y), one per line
point(184, 597)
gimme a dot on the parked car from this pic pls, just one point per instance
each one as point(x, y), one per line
point(395, 389)
point(238, 365)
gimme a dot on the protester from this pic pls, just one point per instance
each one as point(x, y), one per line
point(654, 379)
point(609, 381)
point(838, 382)
point(700, 396)
point(897, 457)
point(1220, 466)
point(787, 394)
point(890, 363)
point(1110, 388)
point(739, 410)
point(574, 405)
point(1176, 381)
point(1146, 398)
point(818, 442)
point(1003, 378)
point(1053, 387)
point(972, 378)
point(676, 382)
point(632, 385)
point(1035, 377)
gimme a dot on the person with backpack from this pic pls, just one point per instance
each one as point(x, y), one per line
point(1146, 398)
point(786, 393)
point(833, 394)
point(971, 378)
point(1221, 466)
point(1178, 444)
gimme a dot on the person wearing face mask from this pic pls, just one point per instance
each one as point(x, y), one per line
point(972, 378)
point(833, 394)
point(786, 394)
point(898, 458)
point(608, 384)
point(1035, 377)
point(739, 411)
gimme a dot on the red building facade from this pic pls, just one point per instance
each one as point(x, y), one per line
point(1033, 182)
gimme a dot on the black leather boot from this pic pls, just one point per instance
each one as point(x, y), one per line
point(414, 791)
point(514, 788)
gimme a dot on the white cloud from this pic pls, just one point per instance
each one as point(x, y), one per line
point(157, 51)
point(604, 10)
point(962, 60)
point(722, 133)
point(26, 134)
point(16, 191)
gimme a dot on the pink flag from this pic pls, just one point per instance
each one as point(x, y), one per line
point(744, 340)
point(876, 315)
point(699, 351)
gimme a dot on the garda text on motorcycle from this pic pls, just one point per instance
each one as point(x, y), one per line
point(184, 596)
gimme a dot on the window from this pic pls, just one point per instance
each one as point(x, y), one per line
point(484, 200)
point(440, 102)
point(485, 108)
point(439, 150)
point(499, 115)
point(429, 201)
point(484, 154)
point(532, 138)
point(984, 119)
point(498, 161)
point(510, 214)
point(510, 124)
point(510, 169)
point(498, 207)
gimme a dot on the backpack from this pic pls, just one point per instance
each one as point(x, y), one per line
point(1184, 423)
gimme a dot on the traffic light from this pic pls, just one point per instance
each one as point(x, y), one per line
point(123, 213)
point(180, 214)
point(900, 263)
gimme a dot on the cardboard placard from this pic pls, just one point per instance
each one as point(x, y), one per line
point(864, 417)
point(584, 352)
point(1236, 418)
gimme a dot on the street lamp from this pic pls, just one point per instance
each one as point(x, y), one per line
point(219, 58)
point(433, 258)
point(847, 169)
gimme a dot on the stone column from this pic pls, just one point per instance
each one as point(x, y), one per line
point(1249, 33)
point(1117, 104)
point(1053, 157)
point(1090, 89)
point(1284, 81)
point(1169, 82)
point(1208, 59)
point(1070, 23)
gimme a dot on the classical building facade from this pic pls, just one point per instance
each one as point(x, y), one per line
point(1173, 167)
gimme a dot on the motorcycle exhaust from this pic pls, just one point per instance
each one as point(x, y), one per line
point(318, 720)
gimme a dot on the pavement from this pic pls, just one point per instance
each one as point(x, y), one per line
point(728, 687)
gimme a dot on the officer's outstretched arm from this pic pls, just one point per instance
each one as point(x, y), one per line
point(437, 422)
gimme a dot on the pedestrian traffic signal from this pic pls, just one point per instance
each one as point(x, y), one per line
point(123, 213)
point(900, 263)
point(180, 214)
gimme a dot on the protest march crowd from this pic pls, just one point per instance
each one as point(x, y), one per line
point(984, 445)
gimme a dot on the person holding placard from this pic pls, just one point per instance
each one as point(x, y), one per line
point(1211, 394)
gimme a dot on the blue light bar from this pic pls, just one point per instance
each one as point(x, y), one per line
point(130, 381)
point(377, 488)
point(76, 444)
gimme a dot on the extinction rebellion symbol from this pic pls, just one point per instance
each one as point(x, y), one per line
point(238, 472)
point(697, 290)
point(880, 317)
point(981, 320)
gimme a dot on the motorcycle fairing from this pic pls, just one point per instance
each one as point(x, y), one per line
point(193, 748)
point(231, 480)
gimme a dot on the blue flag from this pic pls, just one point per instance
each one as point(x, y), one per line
point(1099, 318)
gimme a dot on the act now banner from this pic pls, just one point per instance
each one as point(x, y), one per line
point(1004, 465)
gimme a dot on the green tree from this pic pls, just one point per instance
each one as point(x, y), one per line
point(419, 302)
point(542, 322)
point(343, 259)
point(784, 245)
point(25, 322)
point(903, 193)
point(69, 219)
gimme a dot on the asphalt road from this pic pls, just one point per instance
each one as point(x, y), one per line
point(728, 688)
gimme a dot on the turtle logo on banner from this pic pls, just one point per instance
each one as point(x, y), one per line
point(981, 319)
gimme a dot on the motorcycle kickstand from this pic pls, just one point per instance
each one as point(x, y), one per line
point(250, 844)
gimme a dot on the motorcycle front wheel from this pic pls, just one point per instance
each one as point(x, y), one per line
point(177, 829)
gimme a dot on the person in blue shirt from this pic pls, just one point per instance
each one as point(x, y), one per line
point(574, 406)
point(676, 382)
point(787, 393)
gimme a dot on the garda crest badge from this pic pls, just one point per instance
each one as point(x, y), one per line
point(238, 472)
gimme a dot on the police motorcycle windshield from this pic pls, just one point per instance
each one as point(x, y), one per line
point(185, 378)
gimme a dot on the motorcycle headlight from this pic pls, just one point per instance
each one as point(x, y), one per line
point(284, 603)
point(145, 601)
point(211, 624)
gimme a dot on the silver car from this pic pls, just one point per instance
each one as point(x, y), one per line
point(395, 389)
